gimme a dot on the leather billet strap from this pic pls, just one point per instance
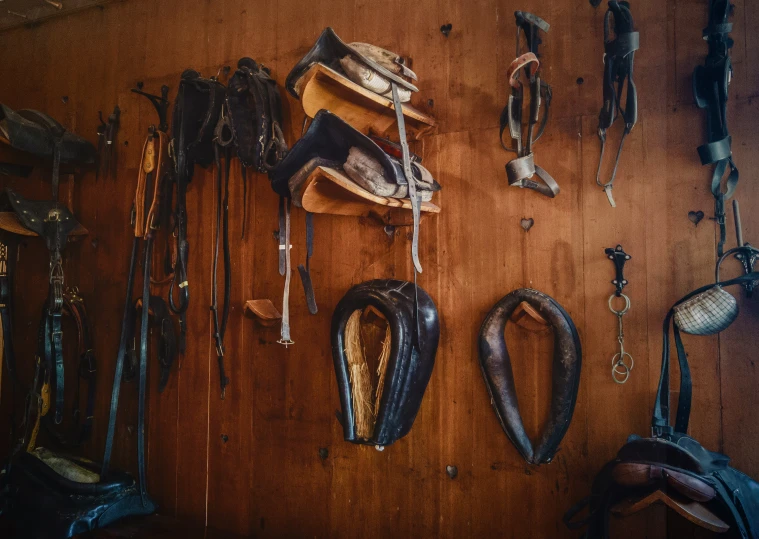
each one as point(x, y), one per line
point(619, 55)
point(284, 254)
point(520, 172)
point(160, 318)
point(660, 423)
point(305, 271)
point(222, 222)
point(495, 363)
point(711, 82)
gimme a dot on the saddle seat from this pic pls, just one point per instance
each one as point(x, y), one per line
point(70, 493)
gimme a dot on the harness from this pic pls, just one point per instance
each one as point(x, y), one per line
point(522, 169)
point(710, 86)
point(619, 54)
point(145, 220)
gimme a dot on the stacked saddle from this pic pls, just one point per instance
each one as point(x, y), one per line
point(373, 164)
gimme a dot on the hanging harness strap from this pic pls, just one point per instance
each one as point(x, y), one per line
point(710, 86)
point(521, 170)
point(619, 54)
point(305, 271)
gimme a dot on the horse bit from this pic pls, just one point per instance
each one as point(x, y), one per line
point(620, 369)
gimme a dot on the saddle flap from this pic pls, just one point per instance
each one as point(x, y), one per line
point(47, 218)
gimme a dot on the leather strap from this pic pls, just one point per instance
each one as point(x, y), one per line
point(520, 172)
point(618, 70)
point(305, 271)
point(660, 425)
point(285, 248)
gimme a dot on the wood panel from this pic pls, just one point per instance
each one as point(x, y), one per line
point(269, 459)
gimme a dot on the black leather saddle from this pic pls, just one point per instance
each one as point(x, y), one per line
point(50, 496)
point(329, 49)
point(499, 377)
point(37, 133)
point(328, 142)
point(672, 462)
point(414, 335)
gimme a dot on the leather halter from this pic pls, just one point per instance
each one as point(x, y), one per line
point(499, 377)
point(522, 169)
point(414, 332)
point(710, 86)
point(619, 54)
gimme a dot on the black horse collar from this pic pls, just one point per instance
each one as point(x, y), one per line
point(414, 334)
point(499, 377)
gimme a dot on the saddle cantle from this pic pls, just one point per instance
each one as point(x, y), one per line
point(35, 132)
point(499, 377)
point(330, 141)
point(349, 60)
point(409, 362)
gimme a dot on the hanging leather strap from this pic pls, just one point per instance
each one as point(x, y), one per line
point(305, 271)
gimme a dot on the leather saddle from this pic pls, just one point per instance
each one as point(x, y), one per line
point(495, 363)
point(332, 142)
point(50, 496)
point(414, 333)
point(671, 464)
point(37, 133)
point(47, 218)
point(332, 51)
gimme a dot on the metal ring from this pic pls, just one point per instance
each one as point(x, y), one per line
point(626, 307)
point(617, 376)
point(615, 362)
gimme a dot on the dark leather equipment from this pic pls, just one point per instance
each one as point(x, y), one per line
point(711, 82)
point(193, 123)
point(46, 501)
point(499, 377)
point(619, 54)
point(522, 168)
point(415, 330)
point(329, 49)
point(671, 461)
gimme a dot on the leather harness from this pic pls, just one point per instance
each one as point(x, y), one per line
point(145, 221)
point(710, 86)
point(522, 169)
point(619, 54)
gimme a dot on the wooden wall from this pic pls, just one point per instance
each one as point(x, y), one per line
point(251, 463)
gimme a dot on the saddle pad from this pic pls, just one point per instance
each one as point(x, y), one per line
point(65, 467)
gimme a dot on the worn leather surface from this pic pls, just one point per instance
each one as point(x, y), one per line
point(45, 505)
point(330, 138)
point(47, 218)
point(495, 362)
point(412, 355)
point(30, 131)
point(328, 50)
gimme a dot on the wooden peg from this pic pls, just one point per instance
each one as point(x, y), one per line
point(264, 311)
point(527, 317)
point(695, 512)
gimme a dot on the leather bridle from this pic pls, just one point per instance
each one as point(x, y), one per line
point(619, 54)
point(710, 86)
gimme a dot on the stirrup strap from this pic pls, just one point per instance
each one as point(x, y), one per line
point(305, 271)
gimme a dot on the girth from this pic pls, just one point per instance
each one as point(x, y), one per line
point(412, 318)
point(619, 54)
point(499, 377)
point(521, 170)
point(710, 87)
